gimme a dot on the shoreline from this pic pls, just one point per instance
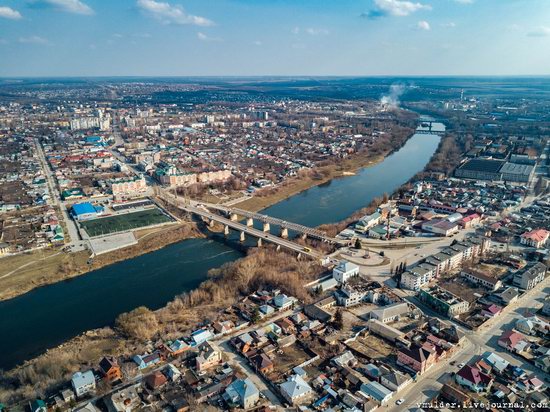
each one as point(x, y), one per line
point(69, 266)
point(112, 337)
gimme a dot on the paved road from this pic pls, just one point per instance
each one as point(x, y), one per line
point(476, 343)
point(247, 230)
point(76, 241)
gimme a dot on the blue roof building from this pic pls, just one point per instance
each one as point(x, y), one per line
point(242, 392)
point(85, 210)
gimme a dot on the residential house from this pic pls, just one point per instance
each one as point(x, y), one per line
point(283, 302)
point(513, 341)
point(390, 313)
point(124, 400)
point(172, 372)
point(532, 325)
point(472, 378)
point(110, 369)
point(454, 395)
point(535, 238)
point(177, 347)
point(242, 392)
point(416, 358)
point(262, 363)
point(344, 271)
point(155, 380)
point(83, 383)
point(377, 392)
point(38, 405)
point(295, 390)
point(395, 381)
point(200, 336)
point(491, 311)
point(223, 327)
point(209, 355)
point(543, 362)
point(146, 361)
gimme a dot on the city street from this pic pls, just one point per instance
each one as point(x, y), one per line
point(476, 343)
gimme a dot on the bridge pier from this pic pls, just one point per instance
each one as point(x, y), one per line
point(211, 223)
point(259, 244)
point(284, 233)
point(278, 248)
point(242, 237)
point(249, 222)
point(303, 236)
point(234, 217)
point(299, 256)
point(266, 227)
point(226, 230)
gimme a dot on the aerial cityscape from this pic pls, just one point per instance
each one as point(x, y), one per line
point(240, 205)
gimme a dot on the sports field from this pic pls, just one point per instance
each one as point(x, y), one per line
point(119, 223)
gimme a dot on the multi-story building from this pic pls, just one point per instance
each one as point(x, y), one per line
point(448, 259)
point(126, 188)
point(344, 271)
point(531, 276)
point(480, 278)
point(443, 301)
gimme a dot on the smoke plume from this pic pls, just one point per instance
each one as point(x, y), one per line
point(391, 100)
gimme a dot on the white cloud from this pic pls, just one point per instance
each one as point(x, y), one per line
point(315, 32)
point(203, 37)
point(400, 7)
point(423, 25)
point(168, 13)
point(464, 1)
point(541, 31)
point(33, 40)
point(257, 43)
point(70, 6)
point(310, 30)
point(9, 13)
point(449, 25)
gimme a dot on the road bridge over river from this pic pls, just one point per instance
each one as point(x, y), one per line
point(201, 210)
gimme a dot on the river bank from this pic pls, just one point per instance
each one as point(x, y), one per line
point(325, 173)
point(23, 273)
point(154, 279)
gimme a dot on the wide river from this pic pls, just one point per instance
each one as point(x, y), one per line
point(47, 316)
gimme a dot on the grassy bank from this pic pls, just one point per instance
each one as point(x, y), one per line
point(324, 173)
point(21, 273)
point(261, 268)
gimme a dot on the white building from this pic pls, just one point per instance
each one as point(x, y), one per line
point(83, 383)
point(344, 271)
point(295, 389)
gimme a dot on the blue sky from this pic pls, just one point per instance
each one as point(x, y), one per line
point(274, 37)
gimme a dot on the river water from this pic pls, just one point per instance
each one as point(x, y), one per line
point(47, 316)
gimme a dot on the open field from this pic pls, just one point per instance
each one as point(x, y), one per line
point(21, 273)
point(119, 223)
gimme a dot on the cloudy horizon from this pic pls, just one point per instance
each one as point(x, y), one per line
point(274, 38)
